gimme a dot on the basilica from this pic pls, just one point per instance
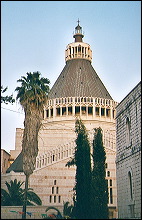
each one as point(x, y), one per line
point(78, 92)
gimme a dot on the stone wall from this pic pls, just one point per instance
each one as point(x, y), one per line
point(5, 161)
point(33, 212)
point(128, 155)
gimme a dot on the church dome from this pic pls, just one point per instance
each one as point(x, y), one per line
point(78, 78)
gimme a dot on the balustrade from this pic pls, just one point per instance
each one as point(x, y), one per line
point(82, 106)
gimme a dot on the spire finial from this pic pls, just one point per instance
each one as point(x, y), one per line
point(78, 21)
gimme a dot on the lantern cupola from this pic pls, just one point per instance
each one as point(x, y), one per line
point(78, 49)
point(78, 33)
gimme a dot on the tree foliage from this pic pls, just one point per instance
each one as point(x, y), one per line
point(68, 210)
point(14, 195)
point(99, 183)
point(82, 160)
point(6, 99)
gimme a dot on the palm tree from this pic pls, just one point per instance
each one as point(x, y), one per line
point(32, 96)
point(68, 210)
point(14, 196)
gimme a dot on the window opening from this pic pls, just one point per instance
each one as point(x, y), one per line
point(108, 173)
point(77, 110)
point(63, 110)
point(47, 113)
point(127, 131)
point(130, 184)
point(102, 111)
point(70, 110)
point(111, 196)
point(90, 110)
point(57, 190)
point(83, 110)
point(113, 113)
point(97, 110)
point(51, 112)
point(54, 199)
point(50, 199)
point(58, 111)
point(52, 189)
point(108, 112)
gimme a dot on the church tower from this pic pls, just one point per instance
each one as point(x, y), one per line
point(77, 92)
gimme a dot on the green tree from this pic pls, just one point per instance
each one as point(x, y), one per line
point(99, 183)
point(6, 99)
point(14, 195)
point(67, 210)
point(82, 160)
point(32, 95)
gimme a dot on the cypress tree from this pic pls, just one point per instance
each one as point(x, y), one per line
point(99, 210)
point(82, 160)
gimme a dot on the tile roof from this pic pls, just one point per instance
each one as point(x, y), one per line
point(17, 165)
point(78, 78)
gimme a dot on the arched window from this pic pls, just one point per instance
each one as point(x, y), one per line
point(127, 131)
point(54, 199)
point(57, 190)
point(130, 184)
point(108, 173)
point(50, 199)
point(53, 190)
point(111, 196)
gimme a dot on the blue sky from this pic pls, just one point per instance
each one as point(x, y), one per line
point(34, 36)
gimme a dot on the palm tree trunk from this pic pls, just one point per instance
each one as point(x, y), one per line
point(30, 141)
point(25, 198)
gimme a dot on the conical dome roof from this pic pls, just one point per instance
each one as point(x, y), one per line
point(77, 79)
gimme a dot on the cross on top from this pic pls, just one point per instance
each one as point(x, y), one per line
point(78, 21)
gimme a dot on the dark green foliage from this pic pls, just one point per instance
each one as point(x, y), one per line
point(67, 210)
point(99, 183)
point(14, 196)
point(6, 99)
point(33, 90)
point(82, 161)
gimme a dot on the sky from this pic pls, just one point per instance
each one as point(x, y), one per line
point(34, 36)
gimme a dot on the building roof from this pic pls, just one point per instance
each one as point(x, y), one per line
point(17, 165)
point(78, 78)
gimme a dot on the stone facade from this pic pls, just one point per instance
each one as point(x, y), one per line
point(5, 161)
point(128, 159)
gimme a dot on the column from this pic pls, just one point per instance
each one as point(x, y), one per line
point(73, 106)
